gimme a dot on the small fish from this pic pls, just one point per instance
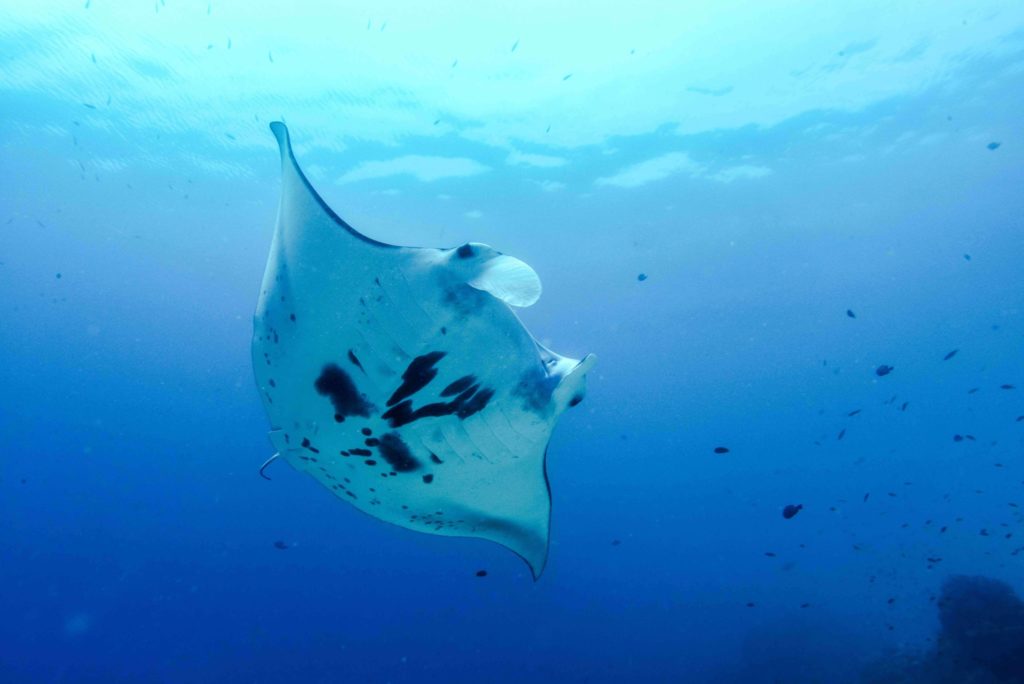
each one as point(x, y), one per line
point(567, 77)
point(88, 106)
point(904, 406)
point(842, 433)
point(615, 542)
point(770, 554)
point(230, 137)
point(751, 604)
point(641, 277)
point(280, 545)
point(967, 257)
point(791, 510)
point(805, 605)
point(867, 496)
point(854, 412)
point(514, 46)
point(270, 56)
point(1007, 387)
point(993, 145)
point(950, 355)
point(972, 390)
point(58, 276)
point(481, 573)
point(883, 370)
point(721, 450)
point(849, 312)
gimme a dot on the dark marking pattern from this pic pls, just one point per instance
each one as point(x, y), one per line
point(396, 452)
point(459, 386)
point(336, 384)
point(472, 400)
point(418, 374)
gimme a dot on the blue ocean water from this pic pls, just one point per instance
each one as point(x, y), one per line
point(746, 210)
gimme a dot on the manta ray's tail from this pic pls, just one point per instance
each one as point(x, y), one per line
point(267, 463)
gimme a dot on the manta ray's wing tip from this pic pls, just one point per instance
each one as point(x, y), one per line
point(280, 131)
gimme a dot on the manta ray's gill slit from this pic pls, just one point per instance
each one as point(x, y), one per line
point(338, 386)
point(417, 375)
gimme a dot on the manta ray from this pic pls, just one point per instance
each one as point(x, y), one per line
point(401, 380)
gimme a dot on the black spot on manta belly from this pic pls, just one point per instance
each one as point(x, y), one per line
point(459, 386)
point(396, 452)
point(336, 384)
point(465, 251)
point(417, 375)
point(472, 400)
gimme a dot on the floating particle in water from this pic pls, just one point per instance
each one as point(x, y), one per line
point(567, 77)
point(615, 542)
point(481, 573)
point(967, 257)
point(853, 412)
point(958, 438)
point(850, 314)
point(993, 145)
point(280, 545)
point(1006, 387)
point(950, 355)
point(641, 277)
point(867, 496)
point(883, 370)
point(514, 46)
point(58, 276)
point(750, 604)
point(721, 450)
point(842, 433)
point(270, 56)
point(791, 510)
point(770, 554)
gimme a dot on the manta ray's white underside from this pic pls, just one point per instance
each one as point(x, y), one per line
point(399, 378)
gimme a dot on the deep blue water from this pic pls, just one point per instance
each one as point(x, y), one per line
point(767, 168)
